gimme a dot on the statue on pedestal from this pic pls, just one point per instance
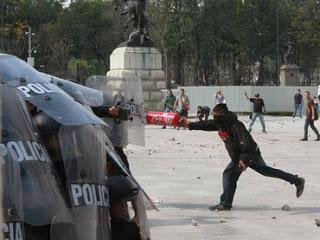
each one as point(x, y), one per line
point(290, 55)
point(136, 9)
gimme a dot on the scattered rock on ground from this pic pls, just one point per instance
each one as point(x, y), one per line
point(194, 222)
point(286, 207)
point(222, 220)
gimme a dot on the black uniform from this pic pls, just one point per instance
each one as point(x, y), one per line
point(240, 146)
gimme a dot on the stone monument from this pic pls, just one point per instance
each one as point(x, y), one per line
point(289, 72)
point(138, 57)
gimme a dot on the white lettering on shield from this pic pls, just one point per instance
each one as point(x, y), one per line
point(12, 231)
point(32, 89)
point(89, 194)
point(26, 151)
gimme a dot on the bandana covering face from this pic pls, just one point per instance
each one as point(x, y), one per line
point(225, 121)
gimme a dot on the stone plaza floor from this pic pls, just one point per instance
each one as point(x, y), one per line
point(182, 171)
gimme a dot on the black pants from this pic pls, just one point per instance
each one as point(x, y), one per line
point(232, 173)
point(310, 122)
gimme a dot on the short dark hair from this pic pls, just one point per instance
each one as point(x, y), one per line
point(182, 89)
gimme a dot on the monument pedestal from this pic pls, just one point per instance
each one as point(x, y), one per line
point(289, 75)
point(144, 63)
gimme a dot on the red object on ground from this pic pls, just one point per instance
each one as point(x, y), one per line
point(163, 118)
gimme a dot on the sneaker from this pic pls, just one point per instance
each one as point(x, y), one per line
point(219, 207)
point(178, 128)
point(304, 139)
point(264, 131)
point(318, 138)
point(300, 186)
point(164, 127)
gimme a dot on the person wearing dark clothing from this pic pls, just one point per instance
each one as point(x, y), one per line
point(243, 151)
point(121, 190)
point(298, 102)
point(111, 112)
point(168, 103)
point(258, 105)
point(203, 112)
point(311, 116)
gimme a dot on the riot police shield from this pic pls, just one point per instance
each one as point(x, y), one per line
point(81, 94)
point(21, 147)
point(130, 90)
point(118, 131)
point(13, 68)
point(83, 152)
point(50, 99)
point(12, 206)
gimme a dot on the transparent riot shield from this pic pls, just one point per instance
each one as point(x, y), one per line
point(83, 152)
point(128, 88)
point(118, 130)
point(81, 94)
point(13, 68)
point(27, 166)
point(12, 206)
point(50, 99)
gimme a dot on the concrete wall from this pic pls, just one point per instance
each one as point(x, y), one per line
point(276, 98)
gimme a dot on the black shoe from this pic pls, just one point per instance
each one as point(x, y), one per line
point(304, 139)
point(300, 186)
point(163, 127)
point(219, 207)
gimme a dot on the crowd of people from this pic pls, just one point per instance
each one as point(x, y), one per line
point(181, 105)
point(243, 150)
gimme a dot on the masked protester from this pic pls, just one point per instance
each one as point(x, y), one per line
point(243, 151)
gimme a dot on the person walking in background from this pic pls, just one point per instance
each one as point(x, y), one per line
point(203, 112)
point(182, 105)
point(318, 104)
point(311, 116)
point(219, 97)
point(258, 105)
point(168, 103)
point(298, 103)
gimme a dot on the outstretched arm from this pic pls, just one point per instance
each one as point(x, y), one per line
point(208, 125)
point(247, 97)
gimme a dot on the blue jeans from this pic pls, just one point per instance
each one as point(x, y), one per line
point(255, 115)
point(232, 173)
point(297, 108)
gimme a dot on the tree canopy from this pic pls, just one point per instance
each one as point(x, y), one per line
point(203, 42)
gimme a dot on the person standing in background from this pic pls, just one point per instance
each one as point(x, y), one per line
point(219, 97)
point(168, 103)
point(182, 105)
point(311, 116)
point(258, 105)
point(298, 103)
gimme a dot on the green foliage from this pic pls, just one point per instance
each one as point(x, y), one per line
point(202, 41)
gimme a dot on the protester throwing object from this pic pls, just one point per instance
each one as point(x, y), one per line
point(258, 105)
point(243, 151)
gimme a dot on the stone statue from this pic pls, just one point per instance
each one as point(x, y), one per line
point(136, 10)
point(290, 55)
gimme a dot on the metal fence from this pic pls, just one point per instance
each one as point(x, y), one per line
point(276, 98)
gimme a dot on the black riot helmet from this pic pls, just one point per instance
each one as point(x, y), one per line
point(46, 124)
point(121, 189)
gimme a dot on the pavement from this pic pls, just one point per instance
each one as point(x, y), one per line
point(182, 172)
